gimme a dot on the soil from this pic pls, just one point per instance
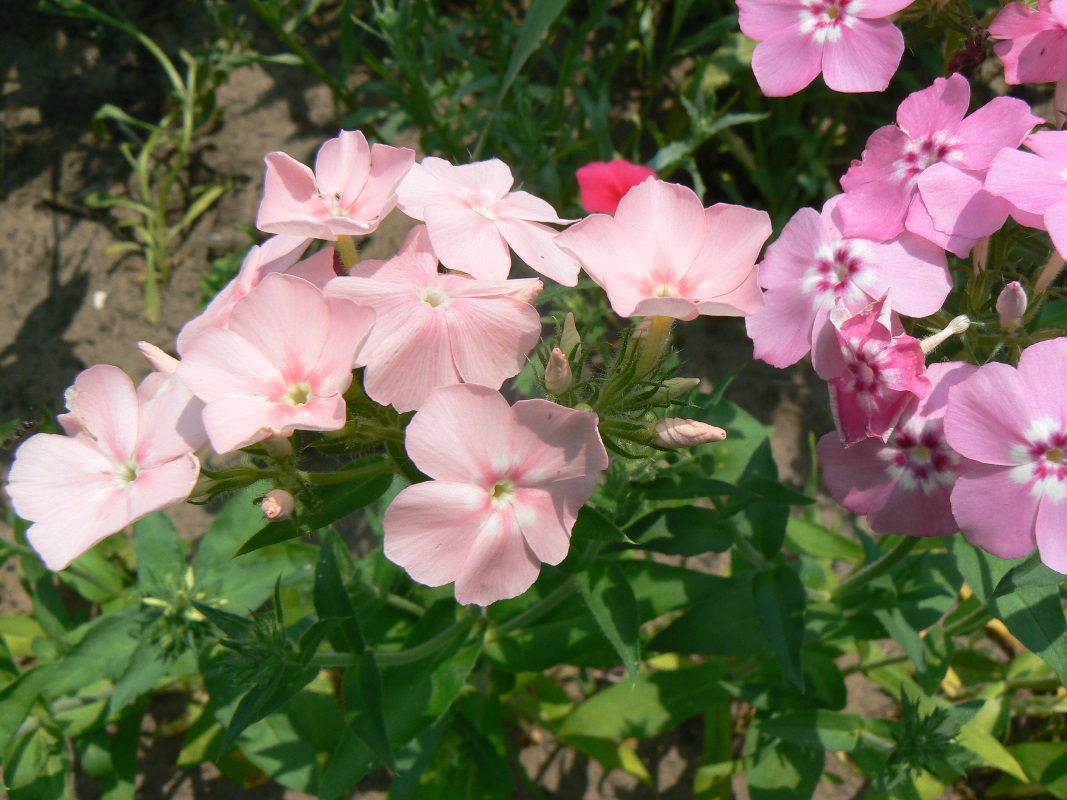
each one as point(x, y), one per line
point(66, 303)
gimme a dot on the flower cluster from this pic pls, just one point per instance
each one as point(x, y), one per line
point(322, 348)
point(924, 450)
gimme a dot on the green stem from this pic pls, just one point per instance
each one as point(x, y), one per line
point(430, 647)
point(875, 569)
point(346, 246)
point(345, 476)
point(534, 612)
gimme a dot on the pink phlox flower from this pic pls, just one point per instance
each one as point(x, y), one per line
point(926, 173)
point(813, 264)
point(664, 254)
point(604, 183)
point(1033, 42)
point(850, 42)
point(473, 217)
point(437, 329)
point(163, 387)
point(1036, 183)
point(1014, 423)
point(903, 484)
point(873, 369)
point(278, 254)
point(124, 458)
point(282, 363)
point(351, 190)
point(507, 486)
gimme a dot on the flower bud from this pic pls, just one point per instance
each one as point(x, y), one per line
point(157, 358)
point(528, 293)
point(1011, 305)
point(674, 432)
point(980, 255)
point(673, 388)
point(570, 341)
point(558, 375)
point(277, 505)
point(956, 325)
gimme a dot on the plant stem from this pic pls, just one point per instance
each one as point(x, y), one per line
point(875, 569)
point(398, 658)
point(346, 246)
point(534, 612)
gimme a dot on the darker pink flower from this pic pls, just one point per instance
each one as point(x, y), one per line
point(352, 188)
point(126, 455)
point(664, 254)
point(436, 329)
point(1036, 183)
point(902, 484)
point(473, 217)
point(1013, 422)
point(873, 368)
point(926, 173)
point(605, 183)
point(813, 264)
point(1033, 42)
point(282, 363)
point(850, 42)
point(507, 486)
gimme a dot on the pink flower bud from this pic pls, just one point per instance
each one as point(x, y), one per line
point(277, 505)
point(674, 432)
point(1011, 305)
point(673, 388)
point(570, 341)
point(529, 291)
point(157, 358)
point(558, 375)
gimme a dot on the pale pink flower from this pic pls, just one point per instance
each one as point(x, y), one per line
point(1014, 423)
point(604, 183)
point(813, 264)
point(436, 329)
point(1036, 183)
point(850, 42)
point(351, 190)
point(282, 363)
point(507, 486)
point(278, 254)
point(1033, 42)
point(124, 458)
point(664, 254)
point(926, 173)
point(874, 370)
point(473, 217)
point(902, 484)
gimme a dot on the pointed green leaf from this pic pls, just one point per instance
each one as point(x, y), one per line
point(611, 600)
point(160, 557)
point(368, 718)
point(331, 599)
point(780, 602)
point(1031, 572)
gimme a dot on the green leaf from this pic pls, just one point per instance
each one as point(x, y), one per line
point(538, 20)
point(38, 767)
point(821, 542)
point(763, 524)
point(611, 600)
point(648, 706)
point(684, 531)
point(1031, 572)
point(780, 602)
point(1045, 763)
point(369, 482)
point(350, 761)
point(160, 557)
point(780, 770)
point(367, 715)
point(594, 525)
point(722, 621)
point(899, 630)
point(332, 601)
point(1034, 615)
point(816, 729)
point(236, 521)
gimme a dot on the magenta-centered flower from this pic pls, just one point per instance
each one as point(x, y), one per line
point(903, 484)
point(507, 486)
point(926, 172)
point(1014, 423)
point(473, 218)
point(1036, 182)
point(126, 454)
point(874, 370)
point(282, 363)
point(664, 254)
point(850, 42)
point(434, 329)
point(813, 264)
point(1033, 41)
point(351, 190)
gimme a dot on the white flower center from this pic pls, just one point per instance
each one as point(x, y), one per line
point(127, 473)
point(1042, 460)
point(297, 394)
point(434, 296)
point(919, 459)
